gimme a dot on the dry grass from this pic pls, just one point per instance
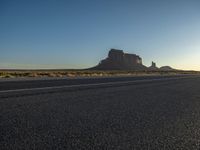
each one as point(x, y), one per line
point(84, 73)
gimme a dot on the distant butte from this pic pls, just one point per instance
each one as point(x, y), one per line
point(118, 60)
point(153, 66)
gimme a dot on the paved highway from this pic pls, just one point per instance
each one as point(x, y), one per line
point(22, 84)
point(101, 113)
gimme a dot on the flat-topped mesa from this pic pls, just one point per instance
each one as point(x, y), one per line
point(118, 60)
point(116, 55)
point(120, 56)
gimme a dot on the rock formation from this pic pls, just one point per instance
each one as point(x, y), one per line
point(153, 66)
point(118, 60)
point(166, 68)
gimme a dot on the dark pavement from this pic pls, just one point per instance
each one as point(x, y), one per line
point(163, 114)
point(23, 84)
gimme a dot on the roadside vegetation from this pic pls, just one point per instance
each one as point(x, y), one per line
point(84, 73)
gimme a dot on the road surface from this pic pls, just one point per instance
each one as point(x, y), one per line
point(107, 113)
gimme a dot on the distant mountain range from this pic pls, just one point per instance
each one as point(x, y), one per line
point(118, 60)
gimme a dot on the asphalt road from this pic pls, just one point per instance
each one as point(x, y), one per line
point(118, 113)
point(24, 84)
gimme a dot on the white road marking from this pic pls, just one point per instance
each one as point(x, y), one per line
point(88, 85)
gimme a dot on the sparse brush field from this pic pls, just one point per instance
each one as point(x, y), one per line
point(84, 73)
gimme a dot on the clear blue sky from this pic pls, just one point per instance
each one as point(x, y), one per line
point(79, 33)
